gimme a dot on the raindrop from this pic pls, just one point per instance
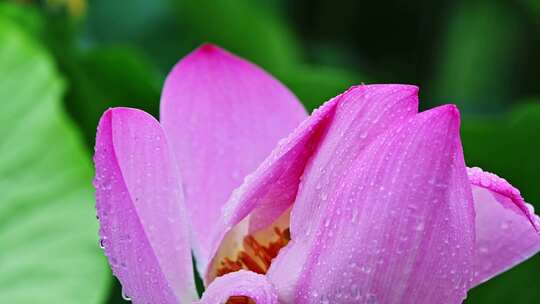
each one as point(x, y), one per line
point(354, 215)
point(371, 299)
point(355, 292)
point(324, 300)
point(125, 296)
point(363, 135)
point(327, 223)
point(366, 269)
point(412, 207)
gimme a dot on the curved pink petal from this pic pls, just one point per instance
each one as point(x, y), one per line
point(359, 115)
point(139, 201)
point(240, 283)
point(223, 115)
point(394, 224)
point(506, 226)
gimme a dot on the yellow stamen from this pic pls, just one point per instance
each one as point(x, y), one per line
point(255, 256)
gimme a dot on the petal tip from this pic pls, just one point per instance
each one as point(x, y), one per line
point(400, 93)
point(454, 110)
point(449, 112)
point(409, 88)
point(501, 186)
point(122, 112)
point(208, 48)
point(106, 116)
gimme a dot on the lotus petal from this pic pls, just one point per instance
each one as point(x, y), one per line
point(506, 226)
point(143, 224)
point(223, 115)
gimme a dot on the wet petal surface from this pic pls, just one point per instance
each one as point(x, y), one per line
point(143, 225)
point(394, 224)
point(360, 115)
point(223, 115)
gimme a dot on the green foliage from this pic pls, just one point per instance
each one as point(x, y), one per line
point(148, 25)
point(254, 31)
point(315, 84)
point(244, 27)
point(276, 49)
point(28, 19)
point(108, 77)
point(47, 227)
point(480, 49)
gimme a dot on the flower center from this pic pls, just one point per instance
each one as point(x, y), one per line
point(256, 256)
point(251, 245)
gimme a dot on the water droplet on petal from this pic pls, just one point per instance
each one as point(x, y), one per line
point(324, 300)
point(125, 296)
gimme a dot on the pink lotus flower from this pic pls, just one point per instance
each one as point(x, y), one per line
point(364, 201)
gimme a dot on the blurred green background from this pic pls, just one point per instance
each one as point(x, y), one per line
point(63, 62)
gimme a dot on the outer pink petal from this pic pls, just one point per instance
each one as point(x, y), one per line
point(359, 115)
point(139, 202)
point(506, 226)
point(240, 283)
point(223, 115)
point(393, 225)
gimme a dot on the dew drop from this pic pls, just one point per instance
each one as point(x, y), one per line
point(371, 299)
point(327, 223)
point(366, 269)
point(324, 196)
point(363, 135)
point(355, 292)
point(354, 215)
point(125, 296)
point(324, 300)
